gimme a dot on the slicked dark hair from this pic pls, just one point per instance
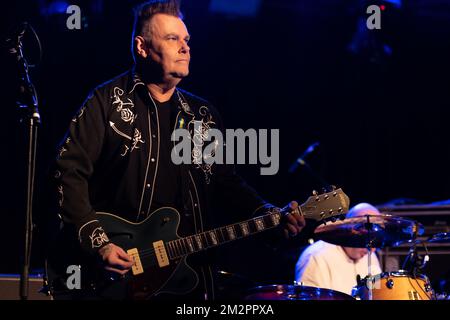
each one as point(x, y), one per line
point(145, 12)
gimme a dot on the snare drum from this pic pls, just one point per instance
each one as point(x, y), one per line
point(398, 285)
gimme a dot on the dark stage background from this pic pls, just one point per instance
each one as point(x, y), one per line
point(375, 100)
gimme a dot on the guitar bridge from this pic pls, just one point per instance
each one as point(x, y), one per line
point(137, 265)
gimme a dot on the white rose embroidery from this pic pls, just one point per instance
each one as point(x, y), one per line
point(123, 106)
point(127, 115)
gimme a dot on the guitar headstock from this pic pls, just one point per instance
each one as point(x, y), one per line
point(326, 206)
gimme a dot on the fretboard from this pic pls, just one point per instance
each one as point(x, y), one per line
point(212, 238)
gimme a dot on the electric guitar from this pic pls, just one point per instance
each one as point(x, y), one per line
point(159, 254)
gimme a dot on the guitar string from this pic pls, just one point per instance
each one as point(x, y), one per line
point(220, 231)
point(184, 247)
point(151, 252)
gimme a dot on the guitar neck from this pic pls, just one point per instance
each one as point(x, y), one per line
point(213, 238)
point(321, 207)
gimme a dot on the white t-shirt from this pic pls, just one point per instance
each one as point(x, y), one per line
point(326, 265)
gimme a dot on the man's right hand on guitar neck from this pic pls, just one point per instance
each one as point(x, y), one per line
point(115, 259)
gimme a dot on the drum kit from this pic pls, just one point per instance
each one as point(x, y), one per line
point(371, 232)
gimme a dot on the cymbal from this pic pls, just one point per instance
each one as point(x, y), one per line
point(376, 231)
point(294, 292)
point(443, 237)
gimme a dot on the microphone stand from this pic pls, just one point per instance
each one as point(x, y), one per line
point(316, 176)
point(369, 256)
point(415, 261)
point(300, 162)
point(28, 102)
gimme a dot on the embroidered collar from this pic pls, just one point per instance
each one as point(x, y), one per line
point(134, 81)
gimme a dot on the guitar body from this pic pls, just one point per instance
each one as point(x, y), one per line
point(176, 278)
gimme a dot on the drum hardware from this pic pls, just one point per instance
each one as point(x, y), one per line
point(415, 263)
point(443, 237)
point(379, 231)
point(398, 285)
point(390, 284)
point(369, 232)
point(376, 231)
point(294, 292)
point(407, 284)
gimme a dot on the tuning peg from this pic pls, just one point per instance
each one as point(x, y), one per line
point(316, 194)
point(333, 187)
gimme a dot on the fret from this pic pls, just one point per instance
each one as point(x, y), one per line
point(244, 228)
point(213, 236)
point(183, 246)
point(275, 218)
point(231, 233)
point(186, 245)
point(238, 230)
point(169, 250)
point(172, 249)
point(205, 240)
point(178, 248)
point(221, 236)
point(190, 244)
point(198, 241)
point(259, 223)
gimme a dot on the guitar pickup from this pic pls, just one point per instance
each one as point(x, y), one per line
point(161, 253)
point(137, 264)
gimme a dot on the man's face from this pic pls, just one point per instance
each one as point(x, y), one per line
point(355, 253)
point(168, 47)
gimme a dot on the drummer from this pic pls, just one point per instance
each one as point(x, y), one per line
point(329, 266)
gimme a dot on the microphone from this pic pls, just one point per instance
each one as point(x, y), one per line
point(12, 42)
point(301, 160)
point(27, 97)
